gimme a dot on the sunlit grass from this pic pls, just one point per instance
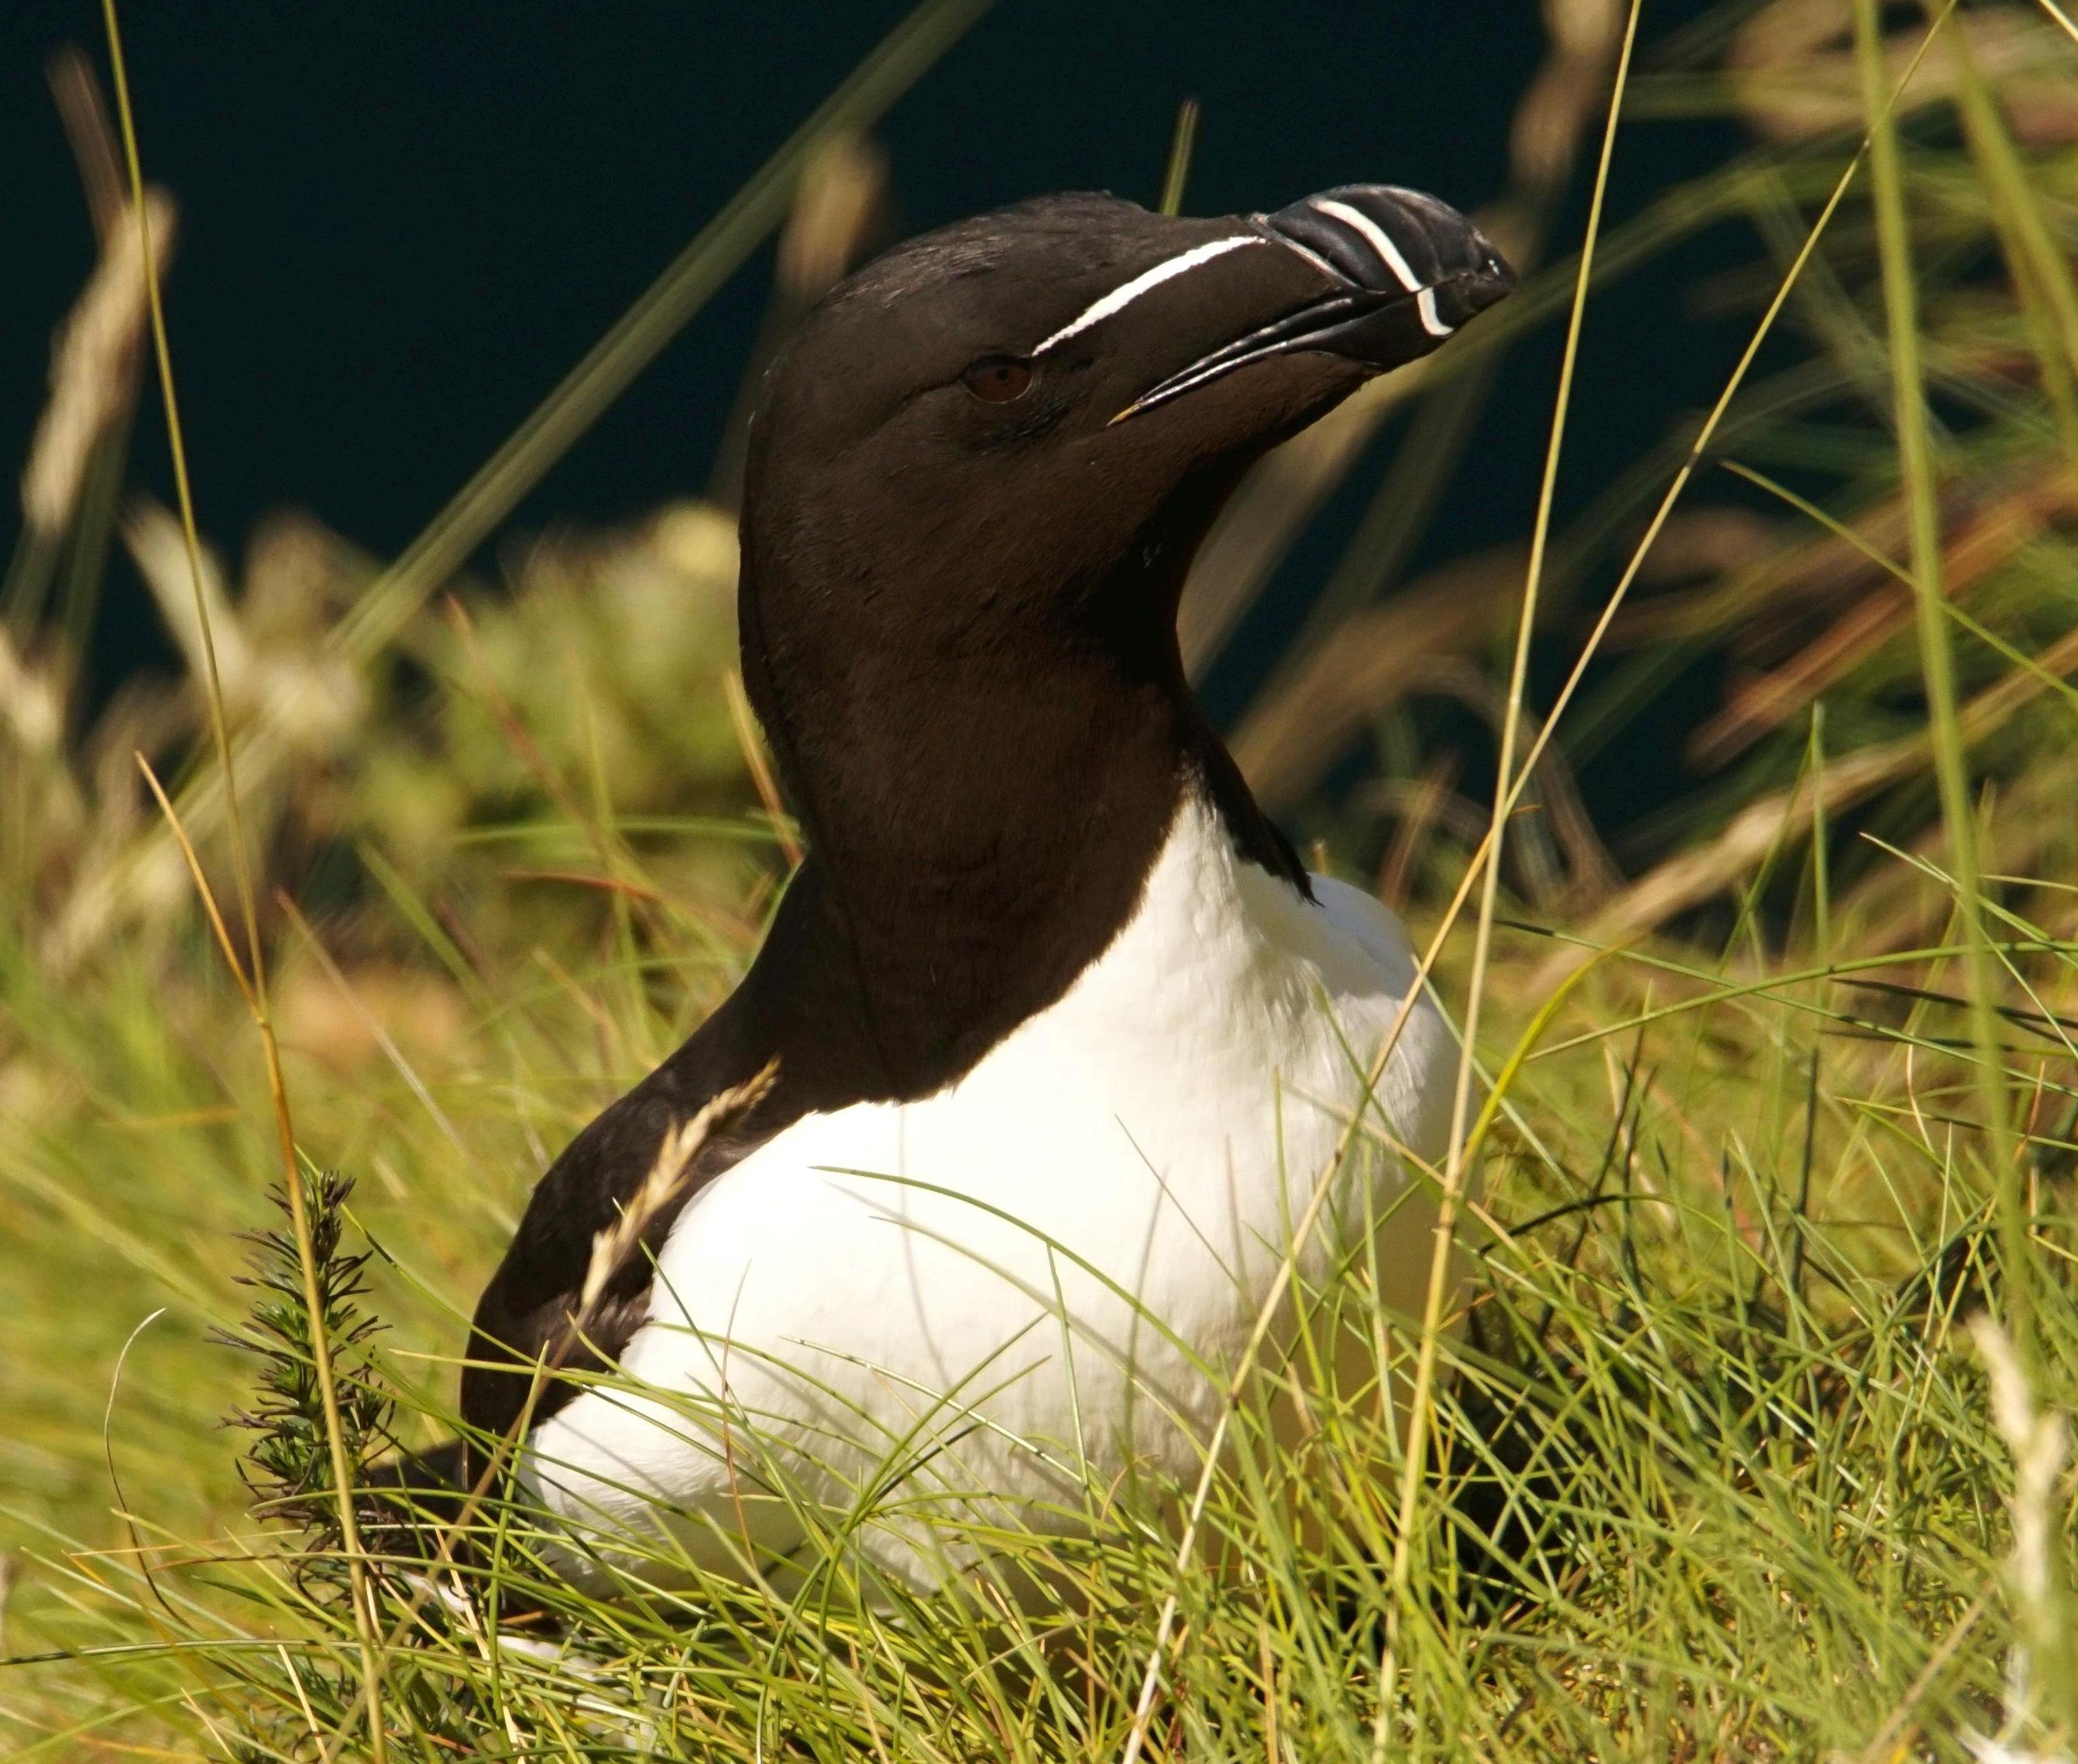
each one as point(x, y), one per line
point(1711, 1468)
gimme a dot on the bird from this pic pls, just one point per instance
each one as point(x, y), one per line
point(1054, 1053)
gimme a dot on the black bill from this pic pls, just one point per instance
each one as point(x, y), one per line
point(1406, 272)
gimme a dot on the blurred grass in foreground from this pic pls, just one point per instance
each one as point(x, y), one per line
point(1720, 1471)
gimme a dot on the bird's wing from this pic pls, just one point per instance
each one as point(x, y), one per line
point(783, 1045)
point(598, 1198)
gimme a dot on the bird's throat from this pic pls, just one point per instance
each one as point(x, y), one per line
point(984, 804)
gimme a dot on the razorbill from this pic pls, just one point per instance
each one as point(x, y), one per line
point(1063, 1035)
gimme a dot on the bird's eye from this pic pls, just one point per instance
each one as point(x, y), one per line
point(997, 379)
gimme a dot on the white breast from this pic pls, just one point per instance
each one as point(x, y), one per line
point(983, 1303)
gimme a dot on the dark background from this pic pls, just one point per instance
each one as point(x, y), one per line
point(400, 224)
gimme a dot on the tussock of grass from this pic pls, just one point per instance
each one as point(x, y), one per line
point(1717, 1477)
point(1749, 1444)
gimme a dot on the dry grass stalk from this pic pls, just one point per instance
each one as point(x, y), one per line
point(834, 213)
point(1813, 565)
point(1818, 568)
point(94, 367)
point(2039, 1443)
point(77, 92)
point(1703, 544)
point(1554, 112)
point(1792, 70)
point(1767, 702)
point(29, 708)
point(1706, 870)
point(1466, 1132)
point(158, 547)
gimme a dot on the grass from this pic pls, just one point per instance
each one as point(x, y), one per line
point(1750, 1446)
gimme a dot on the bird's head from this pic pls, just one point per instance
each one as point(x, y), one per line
point(1001, 442)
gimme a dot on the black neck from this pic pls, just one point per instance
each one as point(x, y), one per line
point(981, 816)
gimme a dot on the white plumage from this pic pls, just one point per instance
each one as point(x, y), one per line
point(1035, 1279)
